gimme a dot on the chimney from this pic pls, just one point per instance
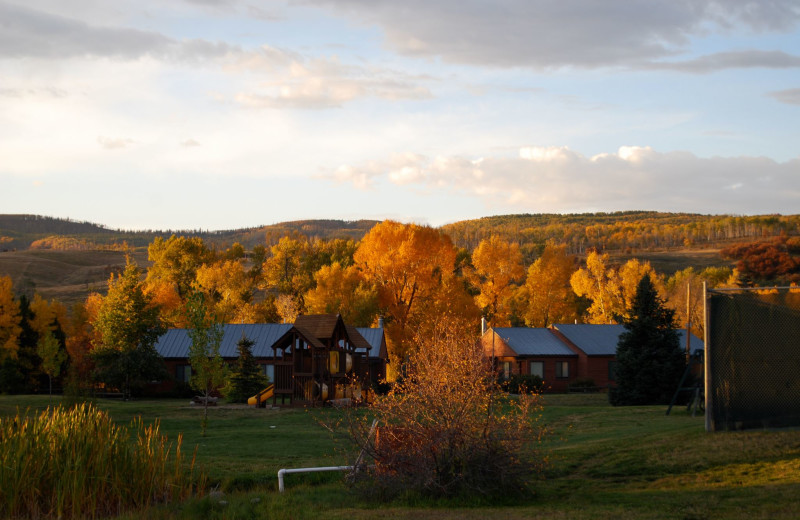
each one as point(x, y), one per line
point(380, 322)
point(483, 325)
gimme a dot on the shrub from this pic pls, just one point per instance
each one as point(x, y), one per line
point(77, 463)
point(446, 430)
point(583, 384)
point(520, 383)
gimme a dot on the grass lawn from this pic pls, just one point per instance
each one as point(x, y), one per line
point(605, 463)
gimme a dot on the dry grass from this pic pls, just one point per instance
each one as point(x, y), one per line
point(77, 463)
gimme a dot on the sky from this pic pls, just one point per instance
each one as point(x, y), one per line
point(222, 114)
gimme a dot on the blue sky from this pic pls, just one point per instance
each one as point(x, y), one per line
point(219, 114)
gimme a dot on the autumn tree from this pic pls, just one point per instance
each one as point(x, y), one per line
point(407, 264)
point(286, 269)
point(496, 271)
point(548, 294)
point(611, 290)
point(444, 431)
point(176, 261)
point(127, 326)
point(766, 261)
point(650, 362)
point(208, 368)
point(228, 290)
point(9, 320)
point(343, 290)
point(10, 376)
point(78, 345)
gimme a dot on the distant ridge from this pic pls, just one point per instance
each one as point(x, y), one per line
point(20, 231)
point(623, 231)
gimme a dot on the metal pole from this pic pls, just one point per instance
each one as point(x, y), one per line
point(688, 321)
point(707, 360)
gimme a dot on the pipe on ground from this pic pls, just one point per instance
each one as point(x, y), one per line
point(282, 472)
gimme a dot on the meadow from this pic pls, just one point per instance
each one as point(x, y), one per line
point(604, 463)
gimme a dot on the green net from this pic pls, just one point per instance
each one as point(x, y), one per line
point(753, 357)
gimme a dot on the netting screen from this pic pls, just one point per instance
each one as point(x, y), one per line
point(753, 356)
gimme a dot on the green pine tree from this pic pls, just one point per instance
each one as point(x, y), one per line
point(246, 378)
point(650, 362)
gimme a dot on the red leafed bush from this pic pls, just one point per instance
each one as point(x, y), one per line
point(446, 429)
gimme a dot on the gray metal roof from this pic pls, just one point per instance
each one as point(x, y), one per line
point(601, 340)
point(533, 341)
point(374, 336)
point(175, 343)
point(595, 340)
point(695, 343)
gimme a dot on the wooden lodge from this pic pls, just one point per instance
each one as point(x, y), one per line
point(316, 360)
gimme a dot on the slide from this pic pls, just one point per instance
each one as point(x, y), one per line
point(260, 399)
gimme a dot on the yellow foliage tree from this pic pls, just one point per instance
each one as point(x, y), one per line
point(9, 320)
point(286, 271)
point(550, 298)
point(601, 285)
point(343, 290)
point(176, 260)
point(46, 314)
point(496, 270)
point(611, 290)
point(228, 289)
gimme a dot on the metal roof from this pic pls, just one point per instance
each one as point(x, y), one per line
point(695, 343)
point(175, 343)
point(374, 336)
point(595, 340)
point(533, 341)
point(601, 340)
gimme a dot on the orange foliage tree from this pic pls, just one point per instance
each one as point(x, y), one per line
point(343, 290)
point(547, 293)
point(407, 264)
point(496, 270)
point(9, 320)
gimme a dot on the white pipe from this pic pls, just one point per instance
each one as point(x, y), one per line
point(282, 472)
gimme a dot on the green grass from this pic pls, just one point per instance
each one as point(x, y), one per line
point(605, 462)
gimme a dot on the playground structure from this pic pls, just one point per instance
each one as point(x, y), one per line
point(320, 359)
point(260, 399)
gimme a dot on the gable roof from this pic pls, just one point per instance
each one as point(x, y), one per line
point(319, 326)
point(601, 340)
point(695, 343)
point(374, 336)
point(175, 343)
point(594, 340)
point(358, 340)
point(526, 341)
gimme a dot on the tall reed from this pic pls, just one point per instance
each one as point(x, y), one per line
point(76, 463)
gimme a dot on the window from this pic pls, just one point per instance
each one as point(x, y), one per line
point(562, 369)
point(183, 373)
point(506, 369)
point(537, 369)
point(269, 371)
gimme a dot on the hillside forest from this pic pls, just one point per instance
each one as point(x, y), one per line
point(514, 271)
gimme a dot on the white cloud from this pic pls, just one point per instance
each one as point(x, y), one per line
point(557, 179)
point(578, 33)
point(114, 143)
point(317, 83)
point(790, 96)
